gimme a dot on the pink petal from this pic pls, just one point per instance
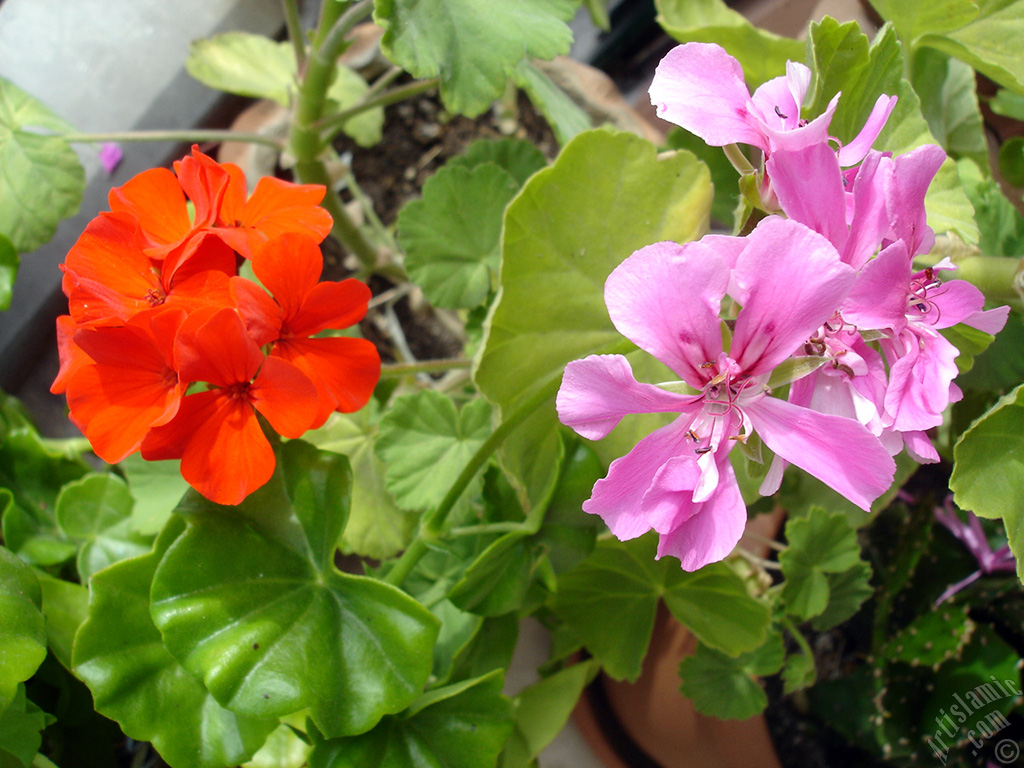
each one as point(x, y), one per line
point(700, 87)
point(709, 533)
point(599, 390)
point(904, 193)
point(957, 300)
point(666, 298)
point(809, 185)
point(855, 151)
point(920, 380)
point(990, 321)
point(814, 132)
point(878, 298)
point(869, 222)
point(840, 452)
point(793, 281)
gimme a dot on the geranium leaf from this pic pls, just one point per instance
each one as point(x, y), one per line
point(346, 91)
point(23, 641)
point(451, 249)
point(119, 654)
point(566, 118)
point(473, 45)
point(464, 725)
point(8, 271)
point(246, 64)
point(520, 158)
point(727, 687)
point(913, 19)
point(65, 608)
point(21, 724)
point(949, 102)
point(498, 580)
point(43, 180)
point(377, 526)
point(988, 469)
point(573, 222)
point(156, 487)
point(818, 544)
point(96, 511)
point(248, 600)
point(762, 54)
point(847, 591)
point(425, 443)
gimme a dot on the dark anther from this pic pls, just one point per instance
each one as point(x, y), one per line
point(779, 113)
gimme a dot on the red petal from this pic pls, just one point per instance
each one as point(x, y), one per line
point(289, 266)
point(286, 396)
point(156, 200)
point(277, 206)
point(261, 313)
point(331, 305)
point(213, 346)
point(204, 181)
point(345, 371)
point(70, 355)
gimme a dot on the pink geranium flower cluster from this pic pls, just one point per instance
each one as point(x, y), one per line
point(821, 295)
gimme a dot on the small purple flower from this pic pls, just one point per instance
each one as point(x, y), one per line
point(110, 156)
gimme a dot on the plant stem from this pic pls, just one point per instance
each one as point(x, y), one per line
point(401, 93)
point(738, 159)
point(395, 370)
point(306, 143)
point(190, 136)
point(291, 18)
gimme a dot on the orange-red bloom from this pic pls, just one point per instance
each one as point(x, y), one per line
point(216, 434)
point(344, 370)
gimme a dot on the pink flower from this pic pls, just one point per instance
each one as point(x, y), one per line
point(700, 87)
point(973, 537)
point(666, 298)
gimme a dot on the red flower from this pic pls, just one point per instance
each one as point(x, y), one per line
point(216, 434)
point(344, 370)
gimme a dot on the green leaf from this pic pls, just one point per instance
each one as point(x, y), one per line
point(727, 688)
point(135, 681)
point(762, 54)
point(23, 640)
point(724, 177)
point(473, 45)
point(1008, 104)
point(283, 749)
point(605, 196)
point(949, 102)
point(990, 43)
point(566, 118)
point(245, 64)
point(43, 181)
point(377, 527)
point(542, 710)
point(819, 544)
point(452, 248)
point(21, 724)
point(520, 158)
point(847, 591)
point(1001, 224)
point(65, 608)
point(156, 487)
point(463, 725)
point(8, 271)
point(1011, 161)
point(624, 580)
point(498, 580)
point(988, 469)
point(347, 90)
point(96, 511)
point(913, 19)
point(799, 673)
point(934, 637)
point(248, 596)
point(425, 443)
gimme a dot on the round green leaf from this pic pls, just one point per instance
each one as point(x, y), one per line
point(460, 726)
point(20, 731)
point(726, 687)
point(42, 181)
point(246, 64)
point(256, 609)
point(118, 653)
point(96, 510)
point(347, 90)
point(157, 487)
point(23, 639)
point(520, 158)
point(451, 249)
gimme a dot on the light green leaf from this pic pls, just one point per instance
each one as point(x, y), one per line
point(118, 653)
point(8, 271)
point(463, 725)
point(473, 45)
point(20, 731)
point(452, 248)
point(23, 640)
point(818, 544)
point(245, 64)
point(949, 101)
point(156, 487)
point(913, 18)
point(762, 54)
point(566, 118)
point(726, 687)
point(990, 43)
point(249, 601)
point(1001, 224)
point(606, 196)
point(377, 527)
point(283, 749)
point(541, 711)
point(42, 181)
point(520, 158)
point(988, 469)
point(1008, 104)
point(347, 90)
point(425, 443)
point(96, 511)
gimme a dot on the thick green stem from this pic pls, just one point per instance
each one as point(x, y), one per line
point(291, 18)
point(307, 144)
point(191, 136)
point(395, 370)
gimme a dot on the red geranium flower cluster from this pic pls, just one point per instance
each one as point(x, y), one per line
point(167, 350)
